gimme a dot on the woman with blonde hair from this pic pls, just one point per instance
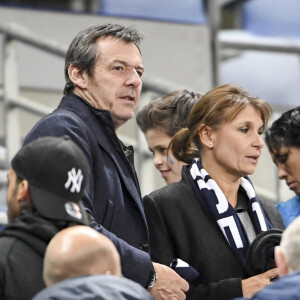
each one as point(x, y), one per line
point(209, 219)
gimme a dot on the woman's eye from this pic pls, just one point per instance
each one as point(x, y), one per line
point(244, 129)
point(282, 158)
point(163, 150)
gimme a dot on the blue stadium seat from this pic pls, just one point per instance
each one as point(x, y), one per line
point(183, 11)
point(272, 17)
point(273, 76)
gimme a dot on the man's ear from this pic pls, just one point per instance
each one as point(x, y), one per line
point(281, 263)
point(78, 77)
point(206, 135)
point(23, 192)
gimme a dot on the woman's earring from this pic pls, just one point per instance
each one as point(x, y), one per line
point(210, 145)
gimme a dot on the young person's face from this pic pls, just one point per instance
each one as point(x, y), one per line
point(287, 161)
point(237, 145)
point(164, 161)
point(116, 84)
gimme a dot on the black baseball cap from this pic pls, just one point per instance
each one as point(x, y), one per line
point(57, 171)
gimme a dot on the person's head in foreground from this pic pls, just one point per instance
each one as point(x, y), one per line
point(283, 141)
point(159, 121)
point(79, 251)
point(47, 179)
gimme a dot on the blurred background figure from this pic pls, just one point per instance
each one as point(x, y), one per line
point(283, 140)
point(159, 121)
point(81, 263)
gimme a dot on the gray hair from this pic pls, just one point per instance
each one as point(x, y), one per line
point(82, 52)
point(290, 244)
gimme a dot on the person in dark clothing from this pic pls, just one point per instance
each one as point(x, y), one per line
point(45, 185)
point(210, 219)
point(103, 70)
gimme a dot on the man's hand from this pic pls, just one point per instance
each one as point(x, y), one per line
point(169, 285)
point(254, 284)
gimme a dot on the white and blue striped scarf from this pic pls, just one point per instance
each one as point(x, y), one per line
point(214, 202)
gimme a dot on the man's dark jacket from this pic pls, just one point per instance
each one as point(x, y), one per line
point(112, 197)
point(22, 248)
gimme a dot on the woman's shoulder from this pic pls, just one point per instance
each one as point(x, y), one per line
point(178, 190)
point(272, 213)
point(170, 190)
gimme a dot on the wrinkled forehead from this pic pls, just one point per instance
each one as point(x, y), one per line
point(112, 43)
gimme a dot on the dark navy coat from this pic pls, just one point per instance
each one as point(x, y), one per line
point(112, 197)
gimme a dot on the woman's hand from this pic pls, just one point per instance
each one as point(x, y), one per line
point(254, 284)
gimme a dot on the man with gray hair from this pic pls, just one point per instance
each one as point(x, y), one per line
point(287, 257)
point(103, 70)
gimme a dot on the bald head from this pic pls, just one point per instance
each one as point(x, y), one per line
point(79, 251)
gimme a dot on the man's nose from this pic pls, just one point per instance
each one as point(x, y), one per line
point(133, 78)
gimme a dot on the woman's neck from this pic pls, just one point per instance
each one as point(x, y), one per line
point(228, 183)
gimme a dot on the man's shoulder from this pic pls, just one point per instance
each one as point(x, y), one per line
point(103, 286)
point(286, 287)
point(10, 246)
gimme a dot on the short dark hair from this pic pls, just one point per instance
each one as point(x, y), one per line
point(82, 52)
point(169, 113)
point(285, 131)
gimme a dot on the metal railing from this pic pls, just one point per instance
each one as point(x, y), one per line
point(240, 40)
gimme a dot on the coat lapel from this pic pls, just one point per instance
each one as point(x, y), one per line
point(108, 141)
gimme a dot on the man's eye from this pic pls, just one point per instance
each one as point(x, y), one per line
point(140, 73)
point(119, 68)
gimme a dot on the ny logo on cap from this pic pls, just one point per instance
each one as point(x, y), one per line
point(75, 180)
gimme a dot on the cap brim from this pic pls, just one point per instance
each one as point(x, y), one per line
point(54, 207)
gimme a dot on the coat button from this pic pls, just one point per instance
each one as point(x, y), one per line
point(144, 247)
